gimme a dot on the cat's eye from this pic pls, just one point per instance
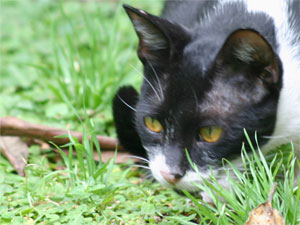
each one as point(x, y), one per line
point(153, 124)
point(211, 133)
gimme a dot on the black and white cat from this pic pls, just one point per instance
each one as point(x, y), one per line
point(211, 69)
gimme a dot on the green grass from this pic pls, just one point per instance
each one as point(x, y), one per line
point(61, 65)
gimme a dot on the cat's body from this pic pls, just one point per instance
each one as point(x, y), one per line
point(211, 69)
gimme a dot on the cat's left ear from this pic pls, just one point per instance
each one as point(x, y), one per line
point(247, 51)
point(159, 39)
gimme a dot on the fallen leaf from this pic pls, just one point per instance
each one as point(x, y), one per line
point(16, 151)
point(264, 214)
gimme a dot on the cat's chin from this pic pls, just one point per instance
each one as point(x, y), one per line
point(188, 182)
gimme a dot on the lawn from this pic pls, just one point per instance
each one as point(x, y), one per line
point(60, 65)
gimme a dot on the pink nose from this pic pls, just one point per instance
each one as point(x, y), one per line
point(170, 178)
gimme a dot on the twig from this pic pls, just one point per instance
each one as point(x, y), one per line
point(272, 192)
point(11, 126)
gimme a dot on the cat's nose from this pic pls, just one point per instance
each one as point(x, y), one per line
point(172, 178)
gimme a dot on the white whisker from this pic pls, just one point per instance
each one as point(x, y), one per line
point(278, 136)
point(149, 177)
point(196, 98)
point(156, 76)
point(142, 166)
point(138, 157)
point(136, 70)
point(125, 103)
point(152, 87)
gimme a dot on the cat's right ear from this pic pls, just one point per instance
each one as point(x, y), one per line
point(159, 39)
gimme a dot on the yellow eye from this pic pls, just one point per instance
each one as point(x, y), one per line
point(211, 134)
point(153, 124)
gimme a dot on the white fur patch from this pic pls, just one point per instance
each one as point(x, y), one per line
point(158, 163)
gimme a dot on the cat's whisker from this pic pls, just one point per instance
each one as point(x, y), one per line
point(196, 98)
point(149, 176)
point(142, 163)
point(146, 105)
point(125, 103)
point(148, 173)
point(136, 70)
point(157, 79)
point(277, 136)
point(142, 166)
point(152, 87)
point(138, 157)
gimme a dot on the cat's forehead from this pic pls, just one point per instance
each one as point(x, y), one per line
point(199, 55)
point(220, 96)
point(226, 97)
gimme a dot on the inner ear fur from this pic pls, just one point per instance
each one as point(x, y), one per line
point(152, 41)
point(247, 49)
point(157, 36)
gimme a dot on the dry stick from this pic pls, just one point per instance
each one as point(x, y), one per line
point(11, 126)
point(272, 192)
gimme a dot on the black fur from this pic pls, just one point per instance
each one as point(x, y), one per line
point(124, 120)
point(175, 11)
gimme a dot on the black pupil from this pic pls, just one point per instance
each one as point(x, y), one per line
point(209, 131)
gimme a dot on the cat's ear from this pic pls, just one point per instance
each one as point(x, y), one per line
point(158, 38)
point(247, 50)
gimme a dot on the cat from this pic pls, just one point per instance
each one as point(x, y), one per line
point(211, 69)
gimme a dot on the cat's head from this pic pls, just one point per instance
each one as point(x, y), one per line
point(200, 91)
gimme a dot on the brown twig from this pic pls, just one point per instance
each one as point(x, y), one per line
point(11, 126)
point(272, 191)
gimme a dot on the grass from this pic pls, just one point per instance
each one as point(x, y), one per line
point(61, 64)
